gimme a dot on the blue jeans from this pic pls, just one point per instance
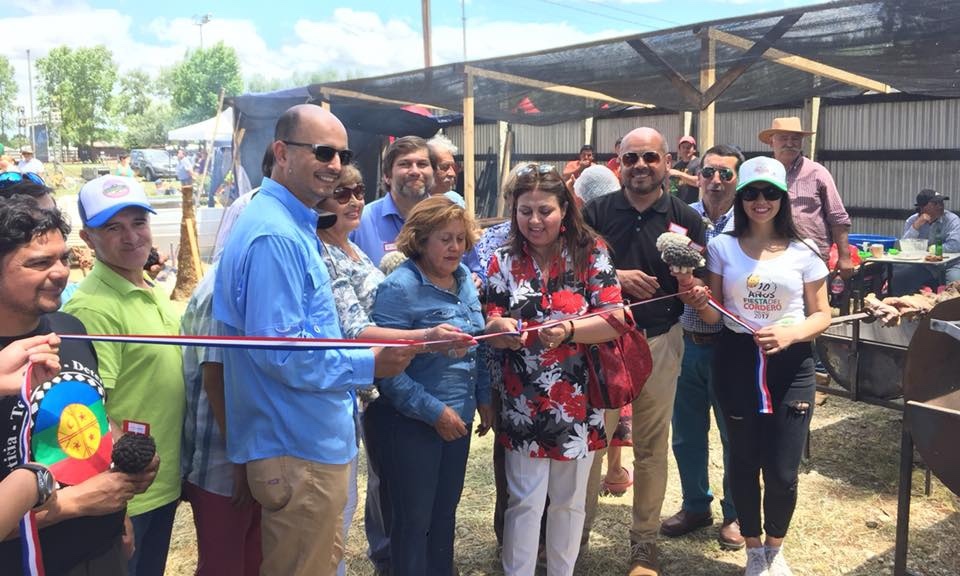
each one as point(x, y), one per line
point(429, 473)
point(691, 428)
point(151, 531)
point(376, 509)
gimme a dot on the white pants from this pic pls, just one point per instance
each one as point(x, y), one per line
point(529, 482)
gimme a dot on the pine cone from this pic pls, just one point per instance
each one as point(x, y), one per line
point(133, 452)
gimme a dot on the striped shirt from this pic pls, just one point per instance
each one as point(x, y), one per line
point(690, 320)
point(815, 202)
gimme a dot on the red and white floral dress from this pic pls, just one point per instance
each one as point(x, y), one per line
point(544, 409)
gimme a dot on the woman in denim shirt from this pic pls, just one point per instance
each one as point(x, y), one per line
point(434, 400)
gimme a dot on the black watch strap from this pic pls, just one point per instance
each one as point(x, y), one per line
point(46, 484)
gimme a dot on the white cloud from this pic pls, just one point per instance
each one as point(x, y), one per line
point(350, 41)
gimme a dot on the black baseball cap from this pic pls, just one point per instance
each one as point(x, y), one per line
point(928, 195)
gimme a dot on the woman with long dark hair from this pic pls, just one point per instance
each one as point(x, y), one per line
point(553, 268)
point(775, 284)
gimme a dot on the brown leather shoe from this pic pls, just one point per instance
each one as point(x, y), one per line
point(644, 559)
point(729, 536)
point(684, 522)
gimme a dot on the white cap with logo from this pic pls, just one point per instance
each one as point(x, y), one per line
point(101, 198)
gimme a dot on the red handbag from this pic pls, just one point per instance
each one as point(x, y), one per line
point(618, 369)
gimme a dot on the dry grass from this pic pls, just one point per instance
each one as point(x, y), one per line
point(845, 521)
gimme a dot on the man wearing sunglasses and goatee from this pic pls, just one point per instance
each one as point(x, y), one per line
point(290, 415)
point(631, 220)
point(695, 396)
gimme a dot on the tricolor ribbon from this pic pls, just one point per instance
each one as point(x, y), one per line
point(32, 558)
point(763, 391)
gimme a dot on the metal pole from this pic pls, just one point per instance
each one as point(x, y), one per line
point(903, 500)
point(463, 16)
point(33, 144)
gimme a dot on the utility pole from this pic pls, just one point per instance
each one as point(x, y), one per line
point(33, 144)
point(200, 21)
point(463, 16)
point(425, 13)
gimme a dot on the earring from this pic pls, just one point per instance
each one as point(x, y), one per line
point(563, 228)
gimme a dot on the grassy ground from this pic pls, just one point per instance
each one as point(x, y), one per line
point(845, 521)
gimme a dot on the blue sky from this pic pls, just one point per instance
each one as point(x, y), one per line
point(362, 37)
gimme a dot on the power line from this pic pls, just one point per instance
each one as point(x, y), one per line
point(635, 13)
point(605, 15)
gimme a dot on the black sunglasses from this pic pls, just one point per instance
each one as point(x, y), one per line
point(726, 174)
point(770, 194)
point(342, 194)
point(538, 169)
point(648, 157)
point(8, 179)
point(324, 153)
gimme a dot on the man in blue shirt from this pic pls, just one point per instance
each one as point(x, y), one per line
point(407, 178)
point(290, 414)
point(931, 221)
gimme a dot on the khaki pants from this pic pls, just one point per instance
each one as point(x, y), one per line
point(652, 412)
point(302, 509)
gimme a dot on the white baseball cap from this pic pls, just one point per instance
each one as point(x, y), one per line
point(101, 198)
point(762, 169)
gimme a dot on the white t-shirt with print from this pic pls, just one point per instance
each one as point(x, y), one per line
point(764, 292)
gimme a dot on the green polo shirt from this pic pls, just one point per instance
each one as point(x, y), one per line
point(144, 381)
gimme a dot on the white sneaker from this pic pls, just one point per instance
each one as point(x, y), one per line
point(756, 562)
point(776, 561)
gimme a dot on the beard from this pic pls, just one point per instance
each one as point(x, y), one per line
point(413, 193)
point(635, 186)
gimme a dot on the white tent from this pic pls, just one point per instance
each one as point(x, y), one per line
point(204, 130)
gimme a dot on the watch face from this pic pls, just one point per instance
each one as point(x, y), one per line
point(45, 485)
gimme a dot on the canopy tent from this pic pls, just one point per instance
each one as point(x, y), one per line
point(204, 130)
point(838, 49)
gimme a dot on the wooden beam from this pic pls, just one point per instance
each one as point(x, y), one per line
point(690, 95)
point(469, 167)
point(751, 57)
point(708, 73)
point(551, 87)
point(427, 40)
point(328, 92)
point(506, 152)
point(811, 112)
point(803, 64)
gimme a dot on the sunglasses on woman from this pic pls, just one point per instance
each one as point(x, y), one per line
point(648, 157)
point(538, 169)
point(8, 179)
point(324, 153)
point(726, 174)
point(343, 194)
point(770, 194)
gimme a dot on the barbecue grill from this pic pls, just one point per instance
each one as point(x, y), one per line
point(931, 422)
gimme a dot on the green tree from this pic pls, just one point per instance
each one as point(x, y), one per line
point(150, 127)
point(196, 82)
point(79, 82)
point(8, 94)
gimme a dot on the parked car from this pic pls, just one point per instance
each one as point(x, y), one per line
point(153, 164)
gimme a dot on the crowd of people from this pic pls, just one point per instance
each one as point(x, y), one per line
point(457, 331)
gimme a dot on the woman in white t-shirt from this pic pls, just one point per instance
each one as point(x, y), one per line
point(775, 283)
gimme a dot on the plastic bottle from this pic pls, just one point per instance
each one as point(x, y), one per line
point(837, 285)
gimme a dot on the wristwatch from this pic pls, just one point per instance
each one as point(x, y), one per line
point(46, 484)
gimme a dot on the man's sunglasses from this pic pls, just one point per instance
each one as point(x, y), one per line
point(726, 174)
point(343, 194)
point(770, 194)
point(324, 153)
point(8, 179)
point(538, 169)
point(648, 157)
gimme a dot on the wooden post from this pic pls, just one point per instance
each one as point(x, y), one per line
point(425, 14)
point(811, 113)
point(506, 154)
point(708, 74)
point(588, 130)
point(469, 167)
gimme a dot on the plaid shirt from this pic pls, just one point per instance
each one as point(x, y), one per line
point(203, 457)
point(690, 320)
point(815, 202)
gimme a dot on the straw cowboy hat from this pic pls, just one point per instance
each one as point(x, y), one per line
point(788, 124)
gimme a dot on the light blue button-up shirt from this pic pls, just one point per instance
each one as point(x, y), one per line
point(272, 281)
point(408, 300)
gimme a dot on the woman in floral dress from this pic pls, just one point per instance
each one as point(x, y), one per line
point(554, 268)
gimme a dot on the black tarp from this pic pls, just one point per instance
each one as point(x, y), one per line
point(911, 45)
